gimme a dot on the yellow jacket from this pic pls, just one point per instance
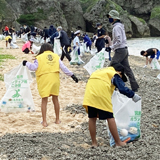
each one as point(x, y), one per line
point(99, 90)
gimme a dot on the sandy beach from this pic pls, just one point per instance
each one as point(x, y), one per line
point(70, 139)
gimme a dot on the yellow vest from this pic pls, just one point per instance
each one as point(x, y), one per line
point(48, 62)
point(99, 90)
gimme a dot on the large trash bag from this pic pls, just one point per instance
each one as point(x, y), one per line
point(18, 96)
point(57, 47)
point(127, 115)
point(96, 62)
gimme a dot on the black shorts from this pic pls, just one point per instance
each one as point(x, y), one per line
point(94, 113)
point(26, 51)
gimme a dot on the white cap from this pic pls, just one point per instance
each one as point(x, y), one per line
point(59, 27)
point(77, 32)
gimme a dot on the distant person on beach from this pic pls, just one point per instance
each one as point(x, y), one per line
point(152, 52)
point(8, 40)
point(6, 29)
point(45, 33)
point(108, 43)
point(76, 41)
point(100, 41)
point(47, 67)
point(26, 30)
point(65, 43)
point(52, 30)
point(97, 99)
point(120, 47)
point(87, 40)
point(26, 48)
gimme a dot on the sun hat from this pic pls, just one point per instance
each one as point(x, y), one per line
point(114, 14)
point(119, 67)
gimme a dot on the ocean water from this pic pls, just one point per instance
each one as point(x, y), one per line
point(136, 45)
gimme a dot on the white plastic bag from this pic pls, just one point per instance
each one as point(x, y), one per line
point(2, 37)
point(75, 58)
point(57, 47)
point(96, 62)
point(41, 40)
point(18, 96)
point(13, 46)
point(127, 115)
point(82, 49)
point(14, 38)
point(35, 49)
point(24, 37)
point(155, 64)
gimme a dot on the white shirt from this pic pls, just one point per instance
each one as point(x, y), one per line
point(76, 40)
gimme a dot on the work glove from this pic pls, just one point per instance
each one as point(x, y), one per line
point(145, 66)
point(24, 62)
point(136, 98)
point(74, 78)
point(108, 49)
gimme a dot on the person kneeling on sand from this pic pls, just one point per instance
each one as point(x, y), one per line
point(152, 52)
point(8, 41)
point(47, 68)
point(26, 48)
point(97, 99)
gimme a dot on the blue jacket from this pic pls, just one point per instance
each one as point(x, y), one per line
point(52, 30)
point(53, 36)
point(88, 40)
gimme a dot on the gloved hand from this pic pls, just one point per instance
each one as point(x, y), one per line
point(108, 49)
point(145, 66)
point(24, 62)
point(74, 78)
point(136, 98)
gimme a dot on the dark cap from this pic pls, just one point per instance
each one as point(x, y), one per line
point(98, 24)
point(119, 67)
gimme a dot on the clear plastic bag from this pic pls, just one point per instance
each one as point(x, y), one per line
point(155, 64)
point(127, 115)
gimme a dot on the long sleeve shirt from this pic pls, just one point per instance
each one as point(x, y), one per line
point(118, 36)
point(34, 66)
point(118, 82)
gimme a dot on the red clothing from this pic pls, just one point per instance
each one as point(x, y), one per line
point(6, 28)
point(26, 45)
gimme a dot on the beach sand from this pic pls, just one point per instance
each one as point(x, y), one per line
point(70, 93)
point(22, 135)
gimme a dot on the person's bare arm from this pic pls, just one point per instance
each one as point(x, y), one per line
point(146, 60)
point(155, 51)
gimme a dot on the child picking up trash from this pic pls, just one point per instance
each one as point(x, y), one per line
point(97, 98)
point(47, 68)
point(26, 48)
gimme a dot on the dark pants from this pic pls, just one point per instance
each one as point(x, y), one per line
point(121, 56)
point(65, 53)
point(26, 51)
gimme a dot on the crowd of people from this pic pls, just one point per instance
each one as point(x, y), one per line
point(101, 84)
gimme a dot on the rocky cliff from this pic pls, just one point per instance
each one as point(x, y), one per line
point(141, 18)
point(42, 13)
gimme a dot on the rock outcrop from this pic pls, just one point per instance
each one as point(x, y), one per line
point(68, 14)
point(141, 18)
